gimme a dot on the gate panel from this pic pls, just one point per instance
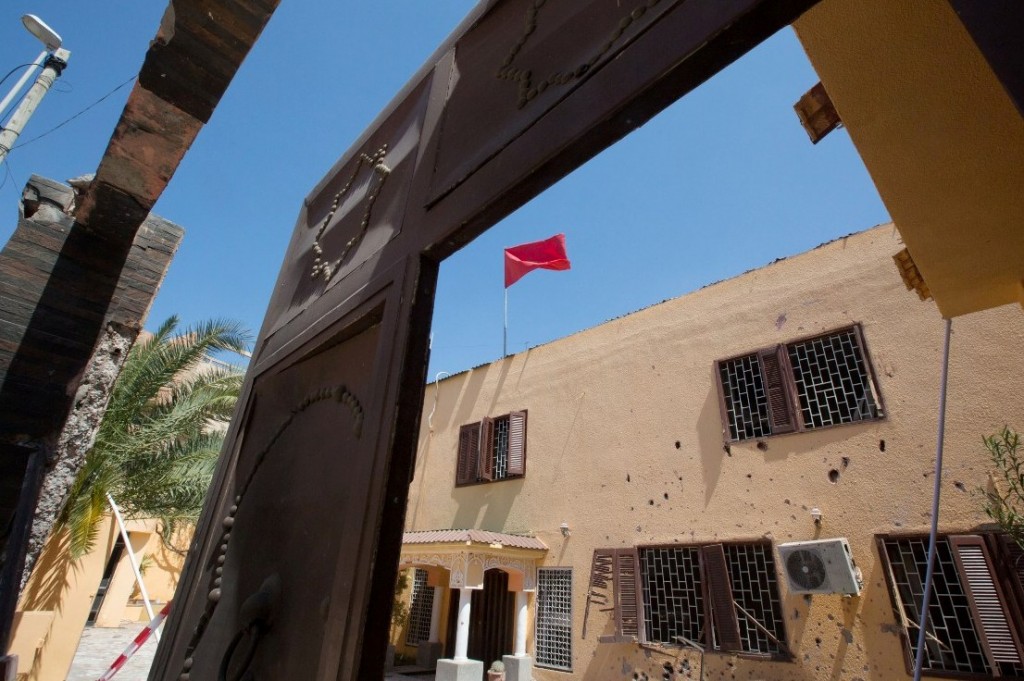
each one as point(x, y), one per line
point(318, 467)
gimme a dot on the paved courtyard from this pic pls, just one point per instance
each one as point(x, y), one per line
point(100, 646)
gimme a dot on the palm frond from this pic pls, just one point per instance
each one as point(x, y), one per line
point(159, 440)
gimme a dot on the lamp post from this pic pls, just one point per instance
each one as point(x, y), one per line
point(53, 59)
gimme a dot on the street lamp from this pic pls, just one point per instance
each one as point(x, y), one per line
point(48, 37)
point(53, 59)
point(39, 29)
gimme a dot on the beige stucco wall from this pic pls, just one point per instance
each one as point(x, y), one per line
point(624, 443)
point(61, 592)
point(55, 606)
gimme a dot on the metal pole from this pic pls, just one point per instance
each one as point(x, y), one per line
point(131, 559)
point(919, 659)
point(504, 344)
point(21, 81)
point(51, 70)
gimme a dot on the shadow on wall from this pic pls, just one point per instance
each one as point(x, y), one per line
point(712, 445)
point(52, 573)
point(169, 559)
point(485, 506)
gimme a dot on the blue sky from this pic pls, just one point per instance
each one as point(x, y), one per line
point(723, 181)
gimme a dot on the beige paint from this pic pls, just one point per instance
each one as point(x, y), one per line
point(607, 407)
point(941, 138)
point(63, 591)
point(54, 609)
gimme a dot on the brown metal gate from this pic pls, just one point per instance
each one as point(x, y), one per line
point(297, 553)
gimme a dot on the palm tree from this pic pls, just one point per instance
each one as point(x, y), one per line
point(160, 437)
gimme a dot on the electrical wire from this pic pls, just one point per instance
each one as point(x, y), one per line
point(68, 120)
point(7, 172)
point(12, 71)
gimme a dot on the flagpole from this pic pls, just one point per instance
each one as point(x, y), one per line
point(504, 343)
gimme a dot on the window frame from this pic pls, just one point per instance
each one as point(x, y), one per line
point(785, 654)
point(485, 429)
point(537, 620)
point(1010, 592)
point(788, 384)
point(412, 606)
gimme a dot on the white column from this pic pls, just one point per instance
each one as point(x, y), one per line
point(435, 614)
point(520, 650)
point(462, 631)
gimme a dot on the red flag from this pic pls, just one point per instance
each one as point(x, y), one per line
point(548, 254)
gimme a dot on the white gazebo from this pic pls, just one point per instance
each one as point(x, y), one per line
point(458, 559)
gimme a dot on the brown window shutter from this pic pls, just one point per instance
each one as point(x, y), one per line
point(486, 470)
point(723, 610)
point(781, 408)
point(988, 608)
point(602, 582)
point(517, 443)
point(898, 607)
point(627, 594)
point(469, 449)
point(723, 410)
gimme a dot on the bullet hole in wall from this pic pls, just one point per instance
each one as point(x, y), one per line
point(666, 496)
point(960, 486)
point(762, 445)
point(627, 477)
point(833, 476)
point(679, 444)
point(881, 445)
point(650, 502)
point(846, 462)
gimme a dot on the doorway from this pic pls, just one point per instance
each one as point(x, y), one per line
point(491, 620)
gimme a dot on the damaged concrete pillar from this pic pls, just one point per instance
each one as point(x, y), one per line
point(72, 303)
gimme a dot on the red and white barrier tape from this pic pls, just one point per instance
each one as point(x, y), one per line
point(136, 644)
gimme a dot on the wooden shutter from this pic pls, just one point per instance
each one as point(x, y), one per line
point(897, 604)
point(469, 451)
point(988, 606)
point(723, 410)
point(719, 596)
point(486, 469)
point(627, 594)
point(614, 580)
point(778, 378)
point(517, 443)
point(602, 583)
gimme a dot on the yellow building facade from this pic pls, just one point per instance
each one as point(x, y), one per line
point(62, 596)
point(617, 500)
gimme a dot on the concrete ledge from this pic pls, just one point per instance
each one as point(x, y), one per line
point(518, 668)
point(427, 654)
point(460, 670)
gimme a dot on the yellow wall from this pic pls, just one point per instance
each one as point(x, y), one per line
point(940, 136)
point(55, 606)
point(624, 443)
point(61, 591)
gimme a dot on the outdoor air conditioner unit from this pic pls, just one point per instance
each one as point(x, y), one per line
point(821, 567)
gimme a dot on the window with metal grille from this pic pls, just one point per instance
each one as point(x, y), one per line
point(420, 609)
point(814, 383)
point(974, 621)
point(553, 635)
point(492, 449)
point(721, 597)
